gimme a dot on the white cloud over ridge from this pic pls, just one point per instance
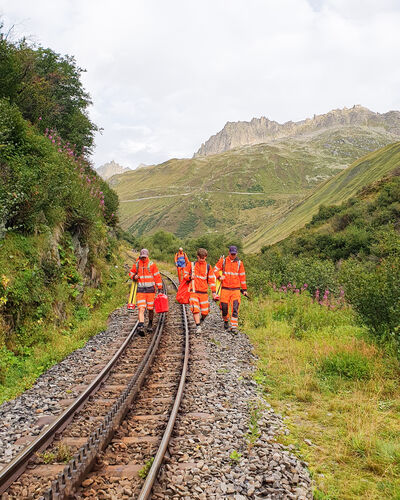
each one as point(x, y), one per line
point(164, 76)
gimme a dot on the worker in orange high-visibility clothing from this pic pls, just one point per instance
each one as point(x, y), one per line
point(230, 271)
point(201, 276)
point(146, 274)
point(181, 261)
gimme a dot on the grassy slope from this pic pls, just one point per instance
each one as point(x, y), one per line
point(334, 191)
point(281, 173)
point(351, 423)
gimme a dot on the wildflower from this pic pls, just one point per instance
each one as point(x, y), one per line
point(40, 118)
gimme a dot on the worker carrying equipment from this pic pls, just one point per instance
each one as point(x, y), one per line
point(201, 277)
point(230, 272)
point(181, 261)
point(145, 272)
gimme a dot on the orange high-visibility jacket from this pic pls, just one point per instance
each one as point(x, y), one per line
point(203, 276)
point(233, 270)
point(149, 276)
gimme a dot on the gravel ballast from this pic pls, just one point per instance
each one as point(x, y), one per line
point(224, 443)
point(225, 439)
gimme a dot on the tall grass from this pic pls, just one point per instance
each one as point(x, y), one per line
point(335, 387)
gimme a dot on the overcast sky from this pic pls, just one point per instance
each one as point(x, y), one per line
point(164, 75)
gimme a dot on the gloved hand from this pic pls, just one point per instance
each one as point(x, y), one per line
point(221, 278)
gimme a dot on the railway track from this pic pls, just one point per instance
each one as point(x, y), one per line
point(117, 431)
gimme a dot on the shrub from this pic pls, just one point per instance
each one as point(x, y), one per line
point(374, 293)
point(318, 274)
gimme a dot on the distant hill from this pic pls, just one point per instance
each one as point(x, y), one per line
point(263, 130)
point(111, 168)
point(340, 188)
point(241, 191)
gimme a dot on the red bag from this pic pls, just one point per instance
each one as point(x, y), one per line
point(182, 295)
point(161, 303)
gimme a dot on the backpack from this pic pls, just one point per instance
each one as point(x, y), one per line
point(223, 265)
point(208, 269)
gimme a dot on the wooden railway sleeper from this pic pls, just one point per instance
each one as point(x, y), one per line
point(63, 487)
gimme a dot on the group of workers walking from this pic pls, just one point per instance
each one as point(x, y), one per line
point(228, 275)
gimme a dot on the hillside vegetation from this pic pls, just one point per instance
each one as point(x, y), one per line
point(351, 249)
point(325, 320)
point(237, 191)
point(58, 245)
point(334, 191)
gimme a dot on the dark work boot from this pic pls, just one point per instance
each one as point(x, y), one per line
point(149, 327)
point(226, 325)
point(140, 329)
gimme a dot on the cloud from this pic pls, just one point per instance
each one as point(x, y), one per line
point(164, 76)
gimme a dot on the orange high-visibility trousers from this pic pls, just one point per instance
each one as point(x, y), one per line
point(145, 301)
point(229, 304)
point(180, 271)
point(198, 302)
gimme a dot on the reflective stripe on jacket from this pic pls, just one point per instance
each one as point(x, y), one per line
point(200, 275)
point(233, 270)
point(149, 277)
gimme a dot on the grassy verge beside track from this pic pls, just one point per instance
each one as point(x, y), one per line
point(24, 368)
point(337, 390)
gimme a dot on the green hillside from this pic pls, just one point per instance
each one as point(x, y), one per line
point(59, 259)
point(334, 191)
point(235, 191)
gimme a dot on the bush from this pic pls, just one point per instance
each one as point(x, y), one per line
point(348, 365)
point(272, 268)
point(374, 293)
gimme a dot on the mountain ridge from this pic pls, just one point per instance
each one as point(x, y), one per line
point(210, 194)
point(263, 130)
point(107, 170)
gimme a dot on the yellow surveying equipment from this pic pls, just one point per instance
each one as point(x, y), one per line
point(132, 296)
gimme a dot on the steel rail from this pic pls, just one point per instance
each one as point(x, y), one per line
point(17, 466)
point(146, 490)
point(81, 463)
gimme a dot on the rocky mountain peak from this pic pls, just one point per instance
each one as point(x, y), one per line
point(111, 168)
point(263, 130)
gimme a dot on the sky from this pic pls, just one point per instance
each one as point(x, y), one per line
point(166, 75)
